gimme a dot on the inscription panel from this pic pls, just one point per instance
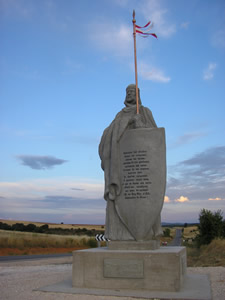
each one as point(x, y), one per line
point(123, 268)
point(143, 177)
point(136, 175)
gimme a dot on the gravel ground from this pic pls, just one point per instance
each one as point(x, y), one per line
point(19, 279)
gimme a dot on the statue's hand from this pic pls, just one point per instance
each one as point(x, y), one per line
point(136, 122)
point(112, 192)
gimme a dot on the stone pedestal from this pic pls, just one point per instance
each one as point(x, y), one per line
point(133, 245)
point(163, 269)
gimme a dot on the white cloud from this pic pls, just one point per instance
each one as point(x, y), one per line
point(209, 72)
point(201, 177)
point(114, 38)
point(182, 199)
point(216, 199)
point(166, 199)
point(152, 73)
point(36, 188)
point(154, 11)
point(187, 138)
point(52, 199)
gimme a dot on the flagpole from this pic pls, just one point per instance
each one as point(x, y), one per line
point(135, 60)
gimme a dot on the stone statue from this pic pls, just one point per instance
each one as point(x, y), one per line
point(133, 157)
point(128, 190)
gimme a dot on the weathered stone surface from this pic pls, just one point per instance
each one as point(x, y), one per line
point(143, 180)
point(133, 245)
point(133, 206)
point(123, 268)
point(164, 269)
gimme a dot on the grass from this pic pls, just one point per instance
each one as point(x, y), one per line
point(16, 241)
point(190, 232)
point(212, 255)
point(169, 239)
point(55, 225)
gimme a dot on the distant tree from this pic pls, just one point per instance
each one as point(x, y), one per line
point(166, 232)
point(223, 230)
point(185, 225)
point(18, 227)
point(30, 228)
point(92, 243)
point(210, 226)
point(5, 226)
point(42, 229)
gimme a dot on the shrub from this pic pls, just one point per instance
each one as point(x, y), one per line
point(5, 226)
point(166, 232)
point(18, 227)
point(92, 243)
point(30, 228)
point(210, 226)
point(210, 255)
point(42, 229)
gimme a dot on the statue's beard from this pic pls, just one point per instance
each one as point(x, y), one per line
point(130, 101)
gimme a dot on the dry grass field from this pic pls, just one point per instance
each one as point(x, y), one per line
point(190, 232)
point(13, 242)
point(212, 255)
point(56, 225)
point(16, 242)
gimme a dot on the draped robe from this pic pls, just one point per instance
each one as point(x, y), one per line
point(109, 154)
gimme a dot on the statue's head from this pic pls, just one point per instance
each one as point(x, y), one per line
point(131, 95)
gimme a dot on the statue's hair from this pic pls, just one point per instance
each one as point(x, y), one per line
point(132, 86)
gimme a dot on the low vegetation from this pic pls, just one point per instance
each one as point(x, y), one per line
point(211, 226)
point(56, 225)
point(13, 242)
point(48, 229)
point(39, 238)
point(190, 232)
point(211, 255)
point(206, 242)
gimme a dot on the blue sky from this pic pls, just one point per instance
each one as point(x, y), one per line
point(64, 68)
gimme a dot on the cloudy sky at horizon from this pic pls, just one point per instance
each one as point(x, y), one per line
point(64, 68)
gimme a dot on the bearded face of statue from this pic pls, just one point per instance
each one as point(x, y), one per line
point(131, 95)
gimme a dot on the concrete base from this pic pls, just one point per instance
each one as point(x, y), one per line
point(133, 245)
point(195, 287)
point(163, 269)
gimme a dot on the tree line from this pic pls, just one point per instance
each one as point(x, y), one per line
point(211, 225)
point(45, 229)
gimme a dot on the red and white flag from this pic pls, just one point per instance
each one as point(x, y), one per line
point(143, 31)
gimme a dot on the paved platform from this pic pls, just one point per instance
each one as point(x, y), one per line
point(195, 287)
